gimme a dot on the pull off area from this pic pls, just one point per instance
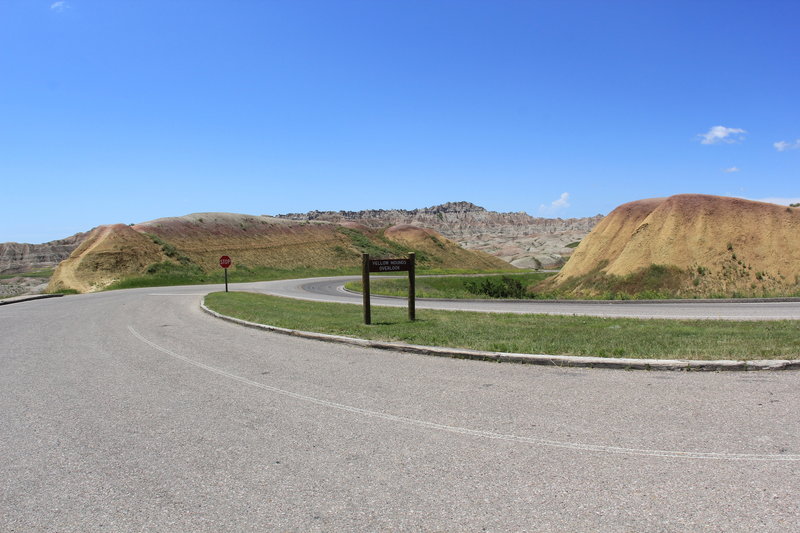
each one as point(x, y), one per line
point(401, 420)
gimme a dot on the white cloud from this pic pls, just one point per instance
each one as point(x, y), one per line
point(721, 134)
point(61, 5)
point(731, 169)
point(782, 146)
point(561, 203)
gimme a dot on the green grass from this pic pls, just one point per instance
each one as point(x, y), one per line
point(445, 287)
point(65, 291)
point(43, 273)
point(604, 337)
point(424, 271)
point(655, 282)
point(381, 246)
point(168, 274)
point(660, 282)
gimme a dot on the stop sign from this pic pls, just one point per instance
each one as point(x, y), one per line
point(224, 261)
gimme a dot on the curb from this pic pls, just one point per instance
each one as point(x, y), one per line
point(531, 359)
point(28, 298)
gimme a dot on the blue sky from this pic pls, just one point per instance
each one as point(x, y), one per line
point(125, 111)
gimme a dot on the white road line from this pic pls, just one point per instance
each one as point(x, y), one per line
point(473, 432)
point(176, 294)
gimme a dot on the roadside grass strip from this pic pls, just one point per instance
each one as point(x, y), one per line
point(700, 340)
point(458, 287)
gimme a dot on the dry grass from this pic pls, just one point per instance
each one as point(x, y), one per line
point(722, 246)
point(188, 247)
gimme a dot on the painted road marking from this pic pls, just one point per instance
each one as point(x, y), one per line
point(599, 448)
point(176, 294)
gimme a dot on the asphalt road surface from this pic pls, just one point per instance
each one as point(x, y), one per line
point(331, 290)
point(135, 411)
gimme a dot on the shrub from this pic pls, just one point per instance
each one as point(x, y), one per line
point(505, 287)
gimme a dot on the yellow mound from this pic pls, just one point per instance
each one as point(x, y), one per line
point(108, 253)
point(722, 245)
point(196, 242)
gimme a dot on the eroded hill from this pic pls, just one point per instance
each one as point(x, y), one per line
point(24, 268)
point(518, 238)
point(688, 245)
point(195, 243)
point(16, 257)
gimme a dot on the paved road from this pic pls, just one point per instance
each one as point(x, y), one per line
point(135, 411)
point(331, 290)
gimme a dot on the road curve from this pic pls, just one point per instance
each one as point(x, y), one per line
point(331, 290)
point(133, 410)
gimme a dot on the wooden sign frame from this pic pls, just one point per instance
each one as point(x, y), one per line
point(400, 264)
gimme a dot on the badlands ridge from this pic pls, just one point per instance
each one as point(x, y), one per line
point(687, 245)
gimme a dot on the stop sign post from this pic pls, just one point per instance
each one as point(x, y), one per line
point(225, 262)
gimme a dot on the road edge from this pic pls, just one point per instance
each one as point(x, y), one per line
point(531, 359)
point(27, 298)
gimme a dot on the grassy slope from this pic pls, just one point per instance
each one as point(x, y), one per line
point(605, 337)
point(263, 249)
point(658, 282)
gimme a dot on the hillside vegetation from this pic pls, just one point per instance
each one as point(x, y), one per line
point(686, 246)
point(189, 247)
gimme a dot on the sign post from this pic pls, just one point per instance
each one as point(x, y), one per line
point(365, 288)
point(389, 265)
point(412, 297)
point(225, 262)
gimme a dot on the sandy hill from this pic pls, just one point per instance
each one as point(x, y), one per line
point(689, 245)
point(198, 240)
point(107, 254)
point(520, 239)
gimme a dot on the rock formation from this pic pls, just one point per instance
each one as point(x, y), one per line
point(18, 257)
point(28, 260)
point(520, 239)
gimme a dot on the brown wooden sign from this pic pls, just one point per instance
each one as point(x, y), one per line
point(390, 265)
point(400, 264)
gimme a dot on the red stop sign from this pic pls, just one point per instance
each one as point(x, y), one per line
point(224, 261)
